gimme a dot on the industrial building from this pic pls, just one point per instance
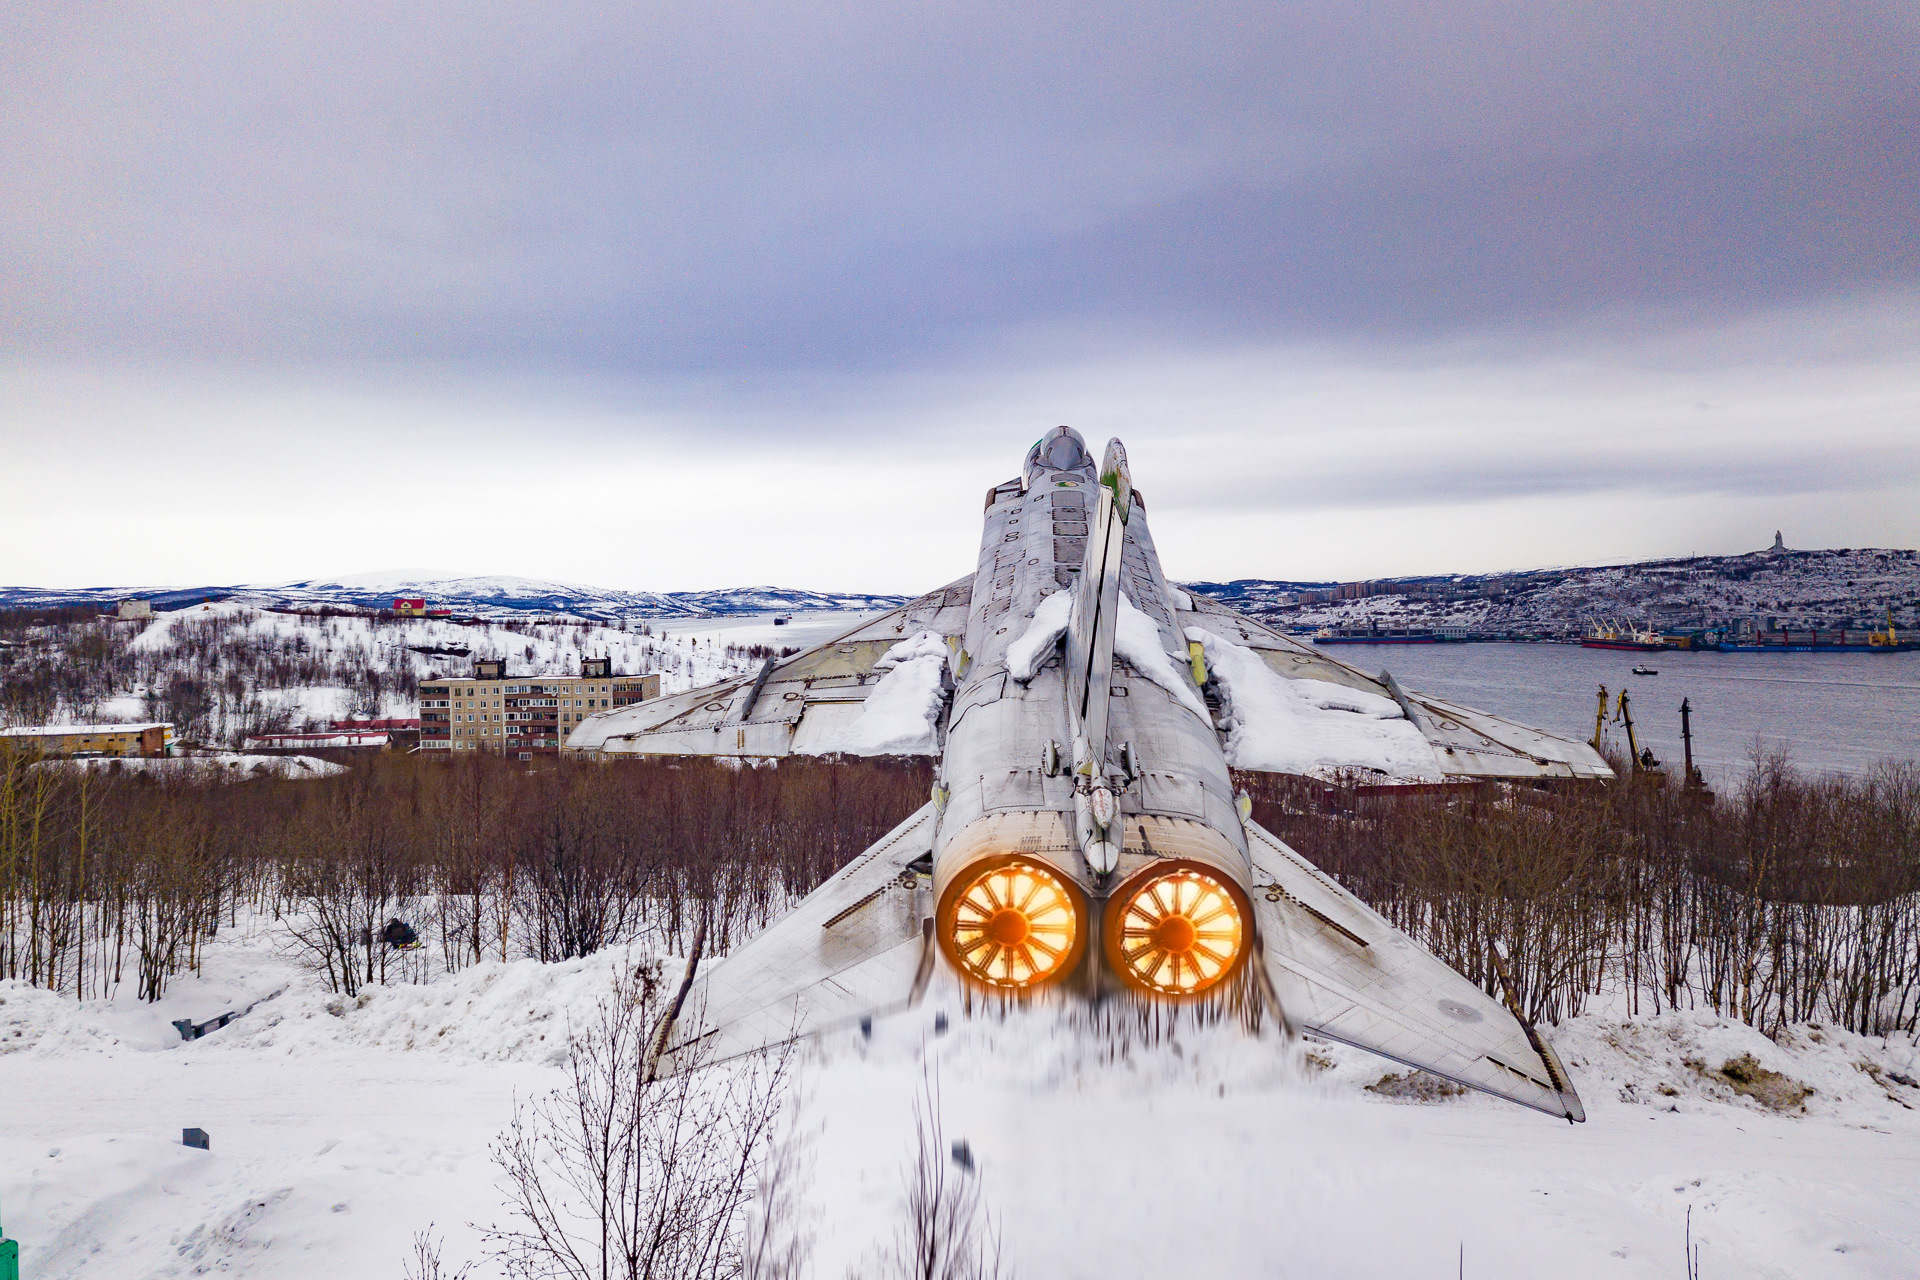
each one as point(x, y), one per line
point(522, 716)
point(149, 738)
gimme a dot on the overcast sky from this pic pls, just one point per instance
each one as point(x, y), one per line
point(673, 296)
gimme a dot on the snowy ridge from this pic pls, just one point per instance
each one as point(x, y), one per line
point(494, 1011)
point(1808, 588)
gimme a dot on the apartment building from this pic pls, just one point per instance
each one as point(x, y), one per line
point(523, 716)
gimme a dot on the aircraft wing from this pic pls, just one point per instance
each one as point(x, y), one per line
point(852, 948)
point(1466, 743)
point(1340, 971)
point(797, 705)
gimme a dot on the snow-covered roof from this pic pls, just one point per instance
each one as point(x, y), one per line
point(372, 739)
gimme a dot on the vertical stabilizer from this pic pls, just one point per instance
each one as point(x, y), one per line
point(1090, 633)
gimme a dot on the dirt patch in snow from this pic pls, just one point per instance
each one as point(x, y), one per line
point(1415, 1086)
point(1745, 1076)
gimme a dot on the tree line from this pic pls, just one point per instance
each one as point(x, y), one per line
point(1789, 898)
point(107, 880)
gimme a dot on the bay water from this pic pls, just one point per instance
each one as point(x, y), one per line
point(1830, 712)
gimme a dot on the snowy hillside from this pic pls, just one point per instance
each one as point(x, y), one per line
point(222, 671)
point(737, 600)
point(1802, 589)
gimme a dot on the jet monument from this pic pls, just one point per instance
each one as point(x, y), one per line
point(1084, 839)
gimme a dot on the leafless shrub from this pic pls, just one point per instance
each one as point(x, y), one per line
point(622, 1174)
point(1786, 899)
point(779, 1232)
point(426, 1263)
point(948, 1232)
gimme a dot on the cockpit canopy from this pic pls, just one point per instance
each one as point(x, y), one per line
point(1061, 449)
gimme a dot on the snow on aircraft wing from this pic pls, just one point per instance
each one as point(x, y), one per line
point(1340, 971)
point(796, 705)
point(1466, 743)
point(852, 948)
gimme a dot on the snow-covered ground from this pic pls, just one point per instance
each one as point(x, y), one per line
point(800, 631)
point(340, 1127)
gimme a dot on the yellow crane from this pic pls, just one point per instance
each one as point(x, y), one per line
point(1645, 765)
point(1884, 638)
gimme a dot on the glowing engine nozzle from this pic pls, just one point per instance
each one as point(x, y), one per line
point(1011, 923)
point(1176, 931)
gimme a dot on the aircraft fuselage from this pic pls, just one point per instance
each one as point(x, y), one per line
point(1012, 794)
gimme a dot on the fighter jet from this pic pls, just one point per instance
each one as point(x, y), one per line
point(1084, 839)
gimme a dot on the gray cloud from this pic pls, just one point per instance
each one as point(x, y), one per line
point(692, 188)
point(1379, 256)
point(1782, 473)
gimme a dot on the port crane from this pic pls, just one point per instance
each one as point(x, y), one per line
point(1645, 764)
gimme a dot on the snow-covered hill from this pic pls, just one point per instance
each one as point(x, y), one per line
point(737, 600)
point(225, 670)
point(1847, 588)
point(494, 595)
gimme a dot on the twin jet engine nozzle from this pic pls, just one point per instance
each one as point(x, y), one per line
point(1014, 922)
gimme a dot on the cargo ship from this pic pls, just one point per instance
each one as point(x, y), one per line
point(1622, 637)
point(1817, 641)
point(1814, 646)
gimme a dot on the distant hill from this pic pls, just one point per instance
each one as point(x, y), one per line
point(1850, 587)
point(494, 596)
point(1824, 588)
point(488, 595)
point(783, 600)
point(1250, 595)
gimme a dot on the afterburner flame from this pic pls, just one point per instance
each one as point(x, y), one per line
point(1177, 934)
point(1013, 925)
